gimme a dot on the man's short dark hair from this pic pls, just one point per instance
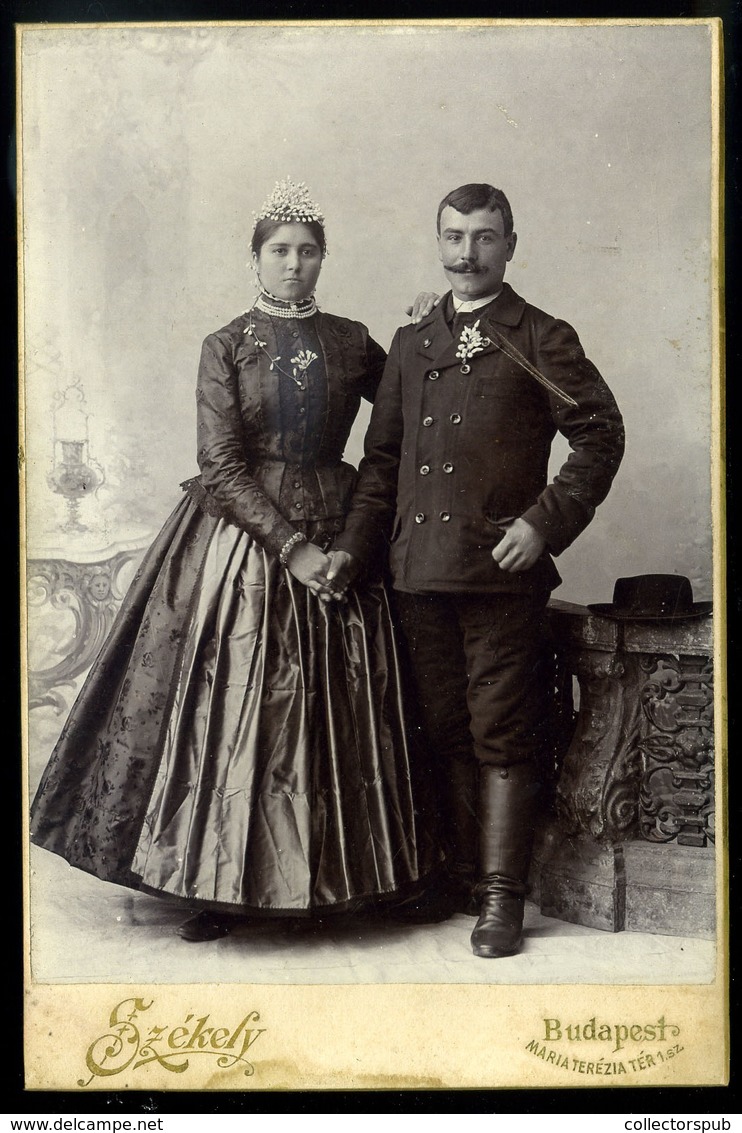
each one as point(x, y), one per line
point(468, 198)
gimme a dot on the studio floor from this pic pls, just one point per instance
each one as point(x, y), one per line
point(85, 931)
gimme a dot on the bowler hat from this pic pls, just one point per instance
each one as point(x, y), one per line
point(652, 597)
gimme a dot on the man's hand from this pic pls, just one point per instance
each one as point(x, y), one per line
point(423, 305)
point(519, 548)
point(343, 570)
point(309, 565)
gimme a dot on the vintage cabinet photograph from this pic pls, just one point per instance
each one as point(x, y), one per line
point(373, 546)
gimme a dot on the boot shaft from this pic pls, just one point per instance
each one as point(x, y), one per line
point(508, 809)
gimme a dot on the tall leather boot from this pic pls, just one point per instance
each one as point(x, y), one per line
point(462, 839)
point(508, 801)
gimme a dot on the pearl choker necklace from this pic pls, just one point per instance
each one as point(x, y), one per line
point(269, 305)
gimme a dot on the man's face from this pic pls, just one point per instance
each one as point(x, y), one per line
point(474, 251)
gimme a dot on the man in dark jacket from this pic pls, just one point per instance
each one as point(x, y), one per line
point(455, 475)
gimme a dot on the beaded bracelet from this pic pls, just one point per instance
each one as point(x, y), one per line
point(283, 554)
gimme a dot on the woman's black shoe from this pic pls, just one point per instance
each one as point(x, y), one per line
point(204, 926)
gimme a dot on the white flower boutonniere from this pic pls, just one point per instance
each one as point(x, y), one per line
point(303, 360)
point(471, 342)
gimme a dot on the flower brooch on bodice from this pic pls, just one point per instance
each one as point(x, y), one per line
point(301, 361)
point(471, 342)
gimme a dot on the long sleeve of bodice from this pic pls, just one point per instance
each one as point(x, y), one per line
point(222, 455)
point(375, 362)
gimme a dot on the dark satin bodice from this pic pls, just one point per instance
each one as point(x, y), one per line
point(270, 452)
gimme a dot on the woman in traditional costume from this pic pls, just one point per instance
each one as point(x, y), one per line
point(239, 744)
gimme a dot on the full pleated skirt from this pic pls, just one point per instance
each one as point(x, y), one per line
point(238, 744)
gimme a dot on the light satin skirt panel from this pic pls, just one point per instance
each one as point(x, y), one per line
point(238, 744)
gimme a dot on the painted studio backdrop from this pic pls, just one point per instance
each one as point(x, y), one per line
point(146, 150)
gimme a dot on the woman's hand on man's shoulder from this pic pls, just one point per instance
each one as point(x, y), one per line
point(425, 302)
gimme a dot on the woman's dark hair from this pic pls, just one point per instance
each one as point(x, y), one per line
point(468, 198)
point(265, 228)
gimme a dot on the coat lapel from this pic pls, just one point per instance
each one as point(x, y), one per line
point(437, 346)
point(507, 309)
point(433, 335)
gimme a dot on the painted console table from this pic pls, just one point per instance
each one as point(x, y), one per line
point(74, 590)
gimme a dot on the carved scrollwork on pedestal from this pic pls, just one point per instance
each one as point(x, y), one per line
point(89, 595)
point(640, 763)
point(678, 693)
point(598, 787)
point(677, 790)
point(677, 804)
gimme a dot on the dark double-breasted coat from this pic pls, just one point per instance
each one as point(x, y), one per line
point(457, 447)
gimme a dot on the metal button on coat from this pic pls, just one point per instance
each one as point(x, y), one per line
point(433, 375)
point(445, 516)
point(420, 517)
point(455, 418)
point(448, 467)
point(297, 483)
point(427, 421)
point(427, 342)
point(424, 469)
point(298, 505)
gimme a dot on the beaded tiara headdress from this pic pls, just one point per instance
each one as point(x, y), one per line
point(289, 201)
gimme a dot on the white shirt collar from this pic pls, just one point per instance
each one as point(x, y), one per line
point(462, 306)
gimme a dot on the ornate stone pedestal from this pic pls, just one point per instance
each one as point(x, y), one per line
point(669, 891)
point(631, 842)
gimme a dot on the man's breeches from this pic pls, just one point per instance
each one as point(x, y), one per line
point(481, 665)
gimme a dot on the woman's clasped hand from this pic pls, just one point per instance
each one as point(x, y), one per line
point(326, 575)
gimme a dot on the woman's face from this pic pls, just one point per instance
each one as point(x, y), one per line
point(289, 262)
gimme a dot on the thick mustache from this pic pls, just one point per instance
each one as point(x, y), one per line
point(469, 269)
